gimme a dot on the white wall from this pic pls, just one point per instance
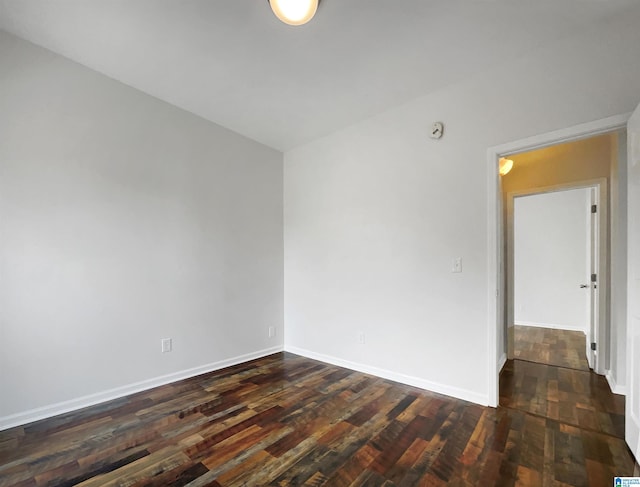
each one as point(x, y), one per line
point(124, 220)
point(632, 403)
point(551, 240)
point(618, 338)
point(375, 213)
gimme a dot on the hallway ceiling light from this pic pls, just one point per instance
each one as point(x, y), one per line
point(505, 166)
point(294, 12)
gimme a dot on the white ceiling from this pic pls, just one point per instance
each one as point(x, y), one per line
point(232, 62)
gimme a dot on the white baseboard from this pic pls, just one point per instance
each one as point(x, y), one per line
point(553, 326)
point(501, 361)
point(456, 392)
point(615, 388)
point(48, 411)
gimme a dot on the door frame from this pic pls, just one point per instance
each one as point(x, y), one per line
point(600, 332)
point(495, 230)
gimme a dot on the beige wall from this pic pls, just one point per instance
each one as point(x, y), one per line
point(572, 162)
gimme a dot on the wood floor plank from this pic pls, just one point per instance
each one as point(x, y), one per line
point(562, 348)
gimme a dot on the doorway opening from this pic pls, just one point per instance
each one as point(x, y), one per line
point(553, 246)
point(501, 313)
point(556, 237)
point(548, 198)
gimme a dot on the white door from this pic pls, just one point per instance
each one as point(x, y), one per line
point(632, 411)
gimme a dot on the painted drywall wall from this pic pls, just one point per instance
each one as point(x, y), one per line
point(573, 162)
point(124, 221)
point(551, 240)
point(376, 213)
point(618, 339)
point(632, 403)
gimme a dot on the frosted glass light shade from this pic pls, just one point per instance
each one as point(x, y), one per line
point(294, 12)
point(505, 166)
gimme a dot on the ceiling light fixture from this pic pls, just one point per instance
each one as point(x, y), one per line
point(294, 12)
point(505, 166)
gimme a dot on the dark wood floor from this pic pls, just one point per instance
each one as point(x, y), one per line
point(288, 421)
point(576, 397)
point(554, 347)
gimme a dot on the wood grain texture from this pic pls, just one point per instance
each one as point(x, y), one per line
point(548, 346)
point(286, 420)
